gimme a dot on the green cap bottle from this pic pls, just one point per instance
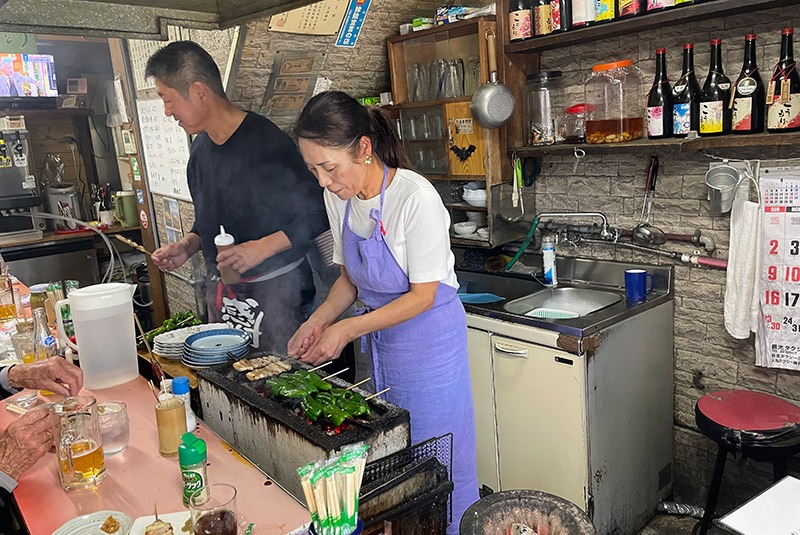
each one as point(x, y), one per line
point(192, 458)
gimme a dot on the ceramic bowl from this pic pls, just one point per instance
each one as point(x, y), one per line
point(465, 229)
point(483, 233)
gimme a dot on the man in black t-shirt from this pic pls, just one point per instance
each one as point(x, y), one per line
point(246, 174)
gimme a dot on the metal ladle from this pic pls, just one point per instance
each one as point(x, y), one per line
point(644, 232)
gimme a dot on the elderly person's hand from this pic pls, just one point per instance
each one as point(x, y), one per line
point(54, 374)
point(25, 441)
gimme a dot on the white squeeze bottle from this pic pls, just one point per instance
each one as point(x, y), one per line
point(223, 240)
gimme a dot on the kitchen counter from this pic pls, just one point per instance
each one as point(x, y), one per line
point(573, 273)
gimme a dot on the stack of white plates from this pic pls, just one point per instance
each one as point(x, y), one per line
point(170, 344)
point(210, 348)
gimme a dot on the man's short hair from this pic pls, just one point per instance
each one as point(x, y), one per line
point(178, 65)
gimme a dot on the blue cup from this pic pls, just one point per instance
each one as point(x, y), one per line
point(636, 284)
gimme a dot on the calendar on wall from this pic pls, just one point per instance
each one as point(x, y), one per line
point(778, 336)
point(321, 18)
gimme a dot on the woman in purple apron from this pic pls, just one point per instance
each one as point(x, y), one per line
point(391, 238)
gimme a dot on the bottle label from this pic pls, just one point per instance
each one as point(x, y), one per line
point(604, 10)
point(628, 7)
point(519, 25)
point(655, 121)
point(711, 114)
point(679, 88)
point(192, 481)
point(746, 86)
point(542, 20)
point(555, 15)
point(682, 118)
point(784, 115)
point(742, 114)
point(724, 86)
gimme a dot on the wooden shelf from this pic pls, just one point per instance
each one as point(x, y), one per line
point(670, 145)
point(426, 103)
point(464, 207)
point(648, 21)
point(459, 178)
point(462, 27)
point(52, 112)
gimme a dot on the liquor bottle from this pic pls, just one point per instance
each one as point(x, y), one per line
point(561, 15)
point(519, 20)
point(654, 5)
point(582, 13)
point(44, 343)
point(542, 17)
point(629, 8)
point(659, 100)
point(605, 10)
point(715, 115)
point(783, 93)
point(747, 113)
point(686, 97)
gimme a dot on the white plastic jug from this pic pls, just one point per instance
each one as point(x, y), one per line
point(106, 341)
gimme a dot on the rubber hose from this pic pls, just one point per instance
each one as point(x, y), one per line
point(525, 243)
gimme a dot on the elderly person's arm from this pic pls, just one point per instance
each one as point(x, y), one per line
point(54, 374)
point(23, 443)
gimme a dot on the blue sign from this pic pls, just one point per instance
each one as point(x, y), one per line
point(140, 196)
point(352, 23)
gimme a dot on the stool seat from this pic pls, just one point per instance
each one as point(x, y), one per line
point(761, 426)
point(749, 411)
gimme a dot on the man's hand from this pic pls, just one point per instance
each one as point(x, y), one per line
point(242, 257)
point(25, 441)
point(171, 256)
point(54, 374)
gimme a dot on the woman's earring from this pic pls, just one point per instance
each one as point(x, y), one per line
point(368, 160)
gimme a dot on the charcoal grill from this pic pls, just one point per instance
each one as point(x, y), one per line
point(277, 438)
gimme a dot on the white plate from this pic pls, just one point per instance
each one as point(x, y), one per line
point(179, 335)
point(176, 519)
point(90, 524)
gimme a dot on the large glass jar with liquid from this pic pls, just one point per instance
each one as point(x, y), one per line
point(615, 92)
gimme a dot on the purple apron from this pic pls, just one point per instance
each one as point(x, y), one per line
point(423, 360)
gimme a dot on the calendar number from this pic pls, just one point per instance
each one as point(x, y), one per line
point(773, 246)
point(794, 247)
point(791, 298)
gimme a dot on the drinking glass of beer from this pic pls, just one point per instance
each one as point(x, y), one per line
point(79, 448)
point(213, 510)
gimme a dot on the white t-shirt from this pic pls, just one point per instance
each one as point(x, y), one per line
point(416, 222)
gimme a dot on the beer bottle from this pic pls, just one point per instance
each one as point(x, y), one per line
point(747, 113)
point(715, 115)
point(783, 93)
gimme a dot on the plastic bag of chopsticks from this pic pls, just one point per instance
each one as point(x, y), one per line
point(331, 490)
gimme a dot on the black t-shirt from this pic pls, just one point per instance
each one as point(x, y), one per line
point(255, 184)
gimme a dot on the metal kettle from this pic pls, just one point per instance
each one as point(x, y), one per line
point(63, 200)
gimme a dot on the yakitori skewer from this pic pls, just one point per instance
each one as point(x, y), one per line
point(377, 394)
point(133, 244)
point(335, 374)
point(361, 382)
point(320, 366)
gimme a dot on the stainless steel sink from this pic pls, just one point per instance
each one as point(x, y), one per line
point(562, 303)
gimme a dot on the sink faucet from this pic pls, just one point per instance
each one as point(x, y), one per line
point(607, 232)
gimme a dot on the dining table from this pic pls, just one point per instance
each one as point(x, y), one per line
point(139, 479)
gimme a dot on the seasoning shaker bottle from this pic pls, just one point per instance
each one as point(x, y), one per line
point(180, 388)
point(223, 240)
point(192, 458)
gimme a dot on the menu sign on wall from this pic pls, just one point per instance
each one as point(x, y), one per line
point(778, 337)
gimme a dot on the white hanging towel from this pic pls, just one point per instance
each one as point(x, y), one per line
point(744, 259)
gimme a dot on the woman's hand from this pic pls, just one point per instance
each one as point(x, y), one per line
point(304, 337)
point(328, 344)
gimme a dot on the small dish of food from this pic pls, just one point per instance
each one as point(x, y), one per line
point(97, 523)
point(169, 524)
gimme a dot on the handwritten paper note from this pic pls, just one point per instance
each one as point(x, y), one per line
point(166, 150)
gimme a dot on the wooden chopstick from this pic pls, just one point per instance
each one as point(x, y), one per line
point(15, 408)
point(377, 394)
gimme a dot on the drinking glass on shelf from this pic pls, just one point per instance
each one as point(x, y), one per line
point(472, 75)
point(418, 82)
point(439, 69)
point(213, 510)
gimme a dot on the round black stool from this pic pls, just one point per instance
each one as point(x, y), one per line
point(760, 426)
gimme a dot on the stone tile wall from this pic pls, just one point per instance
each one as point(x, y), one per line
point(706, 357)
